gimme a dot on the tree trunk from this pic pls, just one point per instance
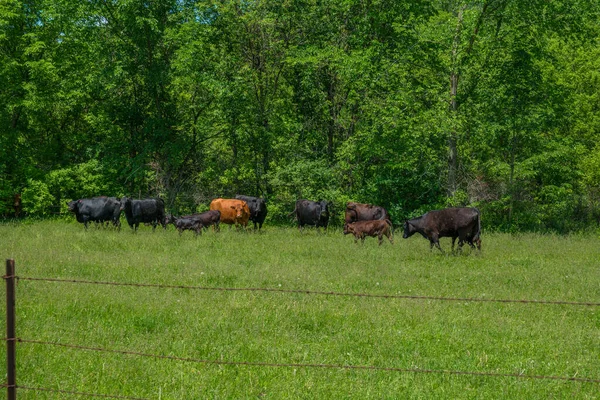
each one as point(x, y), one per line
point(453, 111)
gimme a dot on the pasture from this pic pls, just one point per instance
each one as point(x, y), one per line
point(297, 328)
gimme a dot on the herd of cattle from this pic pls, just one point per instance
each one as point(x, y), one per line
point(361, 220)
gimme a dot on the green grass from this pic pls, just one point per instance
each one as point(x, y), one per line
point(528, 339)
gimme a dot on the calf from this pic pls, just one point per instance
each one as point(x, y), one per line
point(207, 218)
point(186, 223)
point(361, 229)
point(461, 223)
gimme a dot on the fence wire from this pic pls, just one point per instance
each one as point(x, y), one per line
point(315, 292)
point(312, 365)
point(105, 396)
point(289, 365)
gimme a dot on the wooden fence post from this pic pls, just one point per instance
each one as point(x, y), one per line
point(10, 331)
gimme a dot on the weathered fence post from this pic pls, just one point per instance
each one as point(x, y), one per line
point(10, 331)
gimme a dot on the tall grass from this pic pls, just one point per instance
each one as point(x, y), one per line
point(527, 339)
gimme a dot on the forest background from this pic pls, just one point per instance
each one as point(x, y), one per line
point(409, 104)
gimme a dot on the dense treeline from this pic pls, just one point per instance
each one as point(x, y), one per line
point(411, 104)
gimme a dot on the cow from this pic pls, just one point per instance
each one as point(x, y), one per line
point(310, 212)
point(361, 229)
point(364, 212)
point(233, 211)
point(461, 223)
point(186, 223)
point(207, 218)
point(17, 204)
point(150, 211)
point(258, 209)
point(97, 209)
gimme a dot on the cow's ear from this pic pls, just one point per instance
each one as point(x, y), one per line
point(232, 207)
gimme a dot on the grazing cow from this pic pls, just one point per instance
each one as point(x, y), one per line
point(364, 212)
point(258, 209)
point(373, 228)
point(207, 218)
point(464, 223)
point(233, 211)
point(186, 223)
point(17, 204)
point(150, 211)
point(97, 209)
point(310, 212)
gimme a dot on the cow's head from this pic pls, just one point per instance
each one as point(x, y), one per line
point(409, 229)
point(351, 213)
point(170, 219)
point(73, 205)
point(124, 200)
point(261, 206)
point(238, 209)
point(348, 228)
point(324, 213)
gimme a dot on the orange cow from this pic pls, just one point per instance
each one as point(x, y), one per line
point(232, 211)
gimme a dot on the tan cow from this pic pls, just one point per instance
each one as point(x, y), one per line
point(378, 228)
point(233, 212)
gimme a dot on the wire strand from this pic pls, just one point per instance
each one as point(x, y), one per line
point(316, 292)
point(106, 396)
point(313, 365)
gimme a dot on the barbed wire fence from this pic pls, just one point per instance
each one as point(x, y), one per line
point(11, 338)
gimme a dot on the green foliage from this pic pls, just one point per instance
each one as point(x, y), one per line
point(37, 199)
point(79, 181)
point(412, 105)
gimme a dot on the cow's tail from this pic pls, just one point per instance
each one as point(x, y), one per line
point(389, 222)
point(293, 212)
point(477, 236)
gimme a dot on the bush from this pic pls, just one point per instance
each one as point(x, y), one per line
point(37, 200)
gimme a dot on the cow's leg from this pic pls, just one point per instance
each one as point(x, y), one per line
point(380, 237)
point(435, 241)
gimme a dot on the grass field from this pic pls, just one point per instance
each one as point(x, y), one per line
point(271, 327)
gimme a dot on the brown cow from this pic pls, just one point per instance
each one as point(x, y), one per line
point(364, 212)
point(233, 212)
point(378, 228)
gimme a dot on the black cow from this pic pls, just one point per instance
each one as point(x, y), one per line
point(311, 213)
point(364, 212)
point(144, 211)
point(258, 209)
point(97, 209)
point(206, 219)
point(186, 223)
point(461, 223)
